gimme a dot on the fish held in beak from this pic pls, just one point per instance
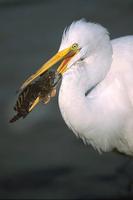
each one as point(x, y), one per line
point(41, 90)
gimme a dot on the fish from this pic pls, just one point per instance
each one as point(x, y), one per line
point(41, 90)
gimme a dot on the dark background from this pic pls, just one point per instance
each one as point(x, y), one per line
point(39, 156)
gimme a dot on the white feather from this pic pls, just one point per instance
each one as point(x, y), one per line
point(104, 118)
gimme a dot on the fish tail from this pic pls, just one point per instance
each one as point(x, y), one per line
point(15, 118)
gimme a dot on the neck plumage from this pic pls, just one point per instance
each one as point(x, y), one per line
point(92, 70)
point(81, 78)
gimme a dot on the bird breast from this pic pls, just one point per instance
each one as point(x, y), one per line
point(72, 100)
point(93, 117)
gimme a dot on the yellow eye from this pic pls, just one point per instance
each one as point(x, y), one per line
point(75, 46)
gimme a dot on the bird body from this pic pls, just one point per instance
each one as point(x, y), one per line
point(103, 117)
point(96, 94)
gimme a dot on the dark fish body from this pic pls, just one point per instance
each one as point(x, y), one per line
point(40, 90)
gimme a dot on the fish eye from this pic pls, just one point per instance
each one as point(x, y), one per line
point(74, 46)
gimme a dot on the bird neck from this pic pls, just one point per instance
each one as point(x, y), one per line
point(93, 69)
point(97, 65)
point(79, 79)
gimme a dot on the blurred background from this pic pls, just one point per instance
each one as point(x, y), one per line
point(40, 158)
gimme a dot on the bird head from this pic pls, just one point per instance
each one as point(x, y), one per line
point(79, 41)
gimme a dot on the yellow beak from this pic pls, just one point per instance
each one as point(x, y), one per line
point(65, 55)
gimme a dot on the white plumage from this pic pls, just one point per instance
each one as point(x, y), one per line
point(96, 94)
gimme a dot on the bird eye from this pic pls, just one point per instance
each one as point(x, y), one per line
point(74, 46)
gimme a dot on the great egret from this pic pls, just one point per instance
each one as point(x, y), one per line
point(96, 94)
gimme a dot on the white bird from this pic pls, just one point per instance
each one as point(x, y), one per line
point(96, 94)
